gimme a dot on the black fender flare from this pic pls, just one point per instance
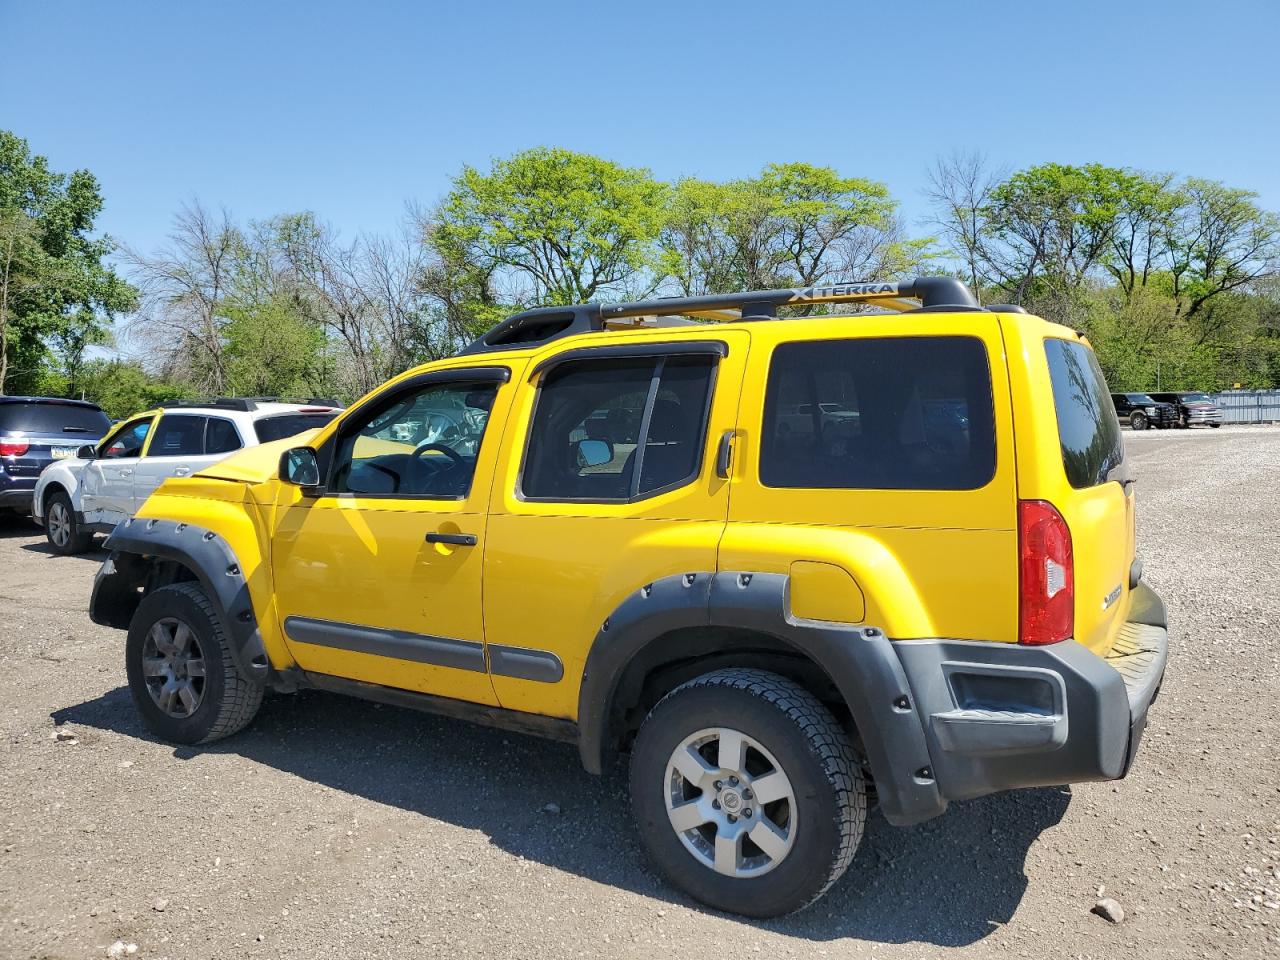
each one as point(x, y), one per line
point(860, 660)
point(208, 556)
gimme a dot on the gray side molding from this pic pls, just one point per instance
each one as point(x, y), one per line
point(203, 552)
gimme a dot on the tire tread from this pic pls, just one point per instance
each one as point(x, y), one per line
point(241, 698)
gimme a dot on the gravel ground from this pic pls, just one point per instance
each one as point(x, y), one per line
point(337, 828)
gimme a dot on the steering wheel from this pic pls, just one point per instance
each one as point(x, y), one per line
point(440, 448)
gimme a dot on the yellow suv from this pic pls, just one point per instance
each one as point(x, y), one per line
point(786, 564)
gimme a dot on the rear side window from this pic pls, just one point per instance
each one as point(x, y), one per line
point(618, 429)
point(53, 419)
point(287, 424)
point(1087, 426)
point(880, 413)
point(178, 436)
point(220, 436)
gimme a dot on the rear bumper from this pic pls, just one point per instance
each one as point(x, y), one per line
point(999, 716)
point(17, 497)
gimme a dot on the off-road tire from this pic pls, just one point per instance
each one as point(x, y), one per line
point(230, 700)
point(1138, 421)
point(76, 540)
point(809, 744)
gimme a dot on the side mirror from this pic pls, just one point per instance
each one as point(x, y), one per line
point(594, 453)
point(300, 467)
point(88, 452)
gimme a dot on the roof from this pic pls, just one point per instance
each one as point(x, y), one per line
point(63, 401)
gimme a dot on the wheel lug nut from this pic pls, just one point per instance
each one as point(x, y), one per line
point(733, 781)
point(719, 784)
point(715, 804)
point(746, 794)
point(747, 812)
point(732, 818)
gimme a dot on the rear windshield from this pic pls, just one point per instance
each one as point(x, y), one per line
point(879, 413)
point(1087, 426)
point(53, 419)
point(287, 424)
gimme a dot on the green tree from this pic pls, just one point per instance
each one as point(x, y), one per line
point(55, 289)
point(550, 226)
point(794, 225)
point(123, 388)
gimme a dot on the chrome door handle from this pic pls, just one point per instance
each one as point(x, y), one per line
point(181, 471)
point(456, 539)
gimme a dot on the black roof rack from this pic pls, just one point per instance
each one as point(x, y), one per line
point(544, 324)
point(243, 404)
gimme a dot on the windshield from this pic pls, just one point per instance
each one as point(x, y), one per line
point(1197, 398)
point(1141, 398)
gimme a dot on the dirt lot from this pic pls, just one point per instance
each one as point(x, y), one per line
point(335, 828)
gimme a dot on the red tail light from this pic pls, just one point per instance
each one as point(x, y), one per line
point(1046, 575)
point(13, 448)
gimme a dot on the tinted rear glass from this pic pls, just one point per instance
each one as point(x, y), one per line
point(53, 419)
point(883, 413)
point(287, 424)
point(1087, 426)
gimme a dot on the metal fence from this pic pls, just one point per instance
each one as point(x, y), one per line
point(1248, 406)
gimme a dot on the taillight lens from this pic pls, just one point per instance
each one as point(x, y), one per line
point(1046, 575)
point(13, 448)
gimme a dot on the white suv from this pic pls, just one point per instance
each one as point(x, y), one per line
point(107, 482)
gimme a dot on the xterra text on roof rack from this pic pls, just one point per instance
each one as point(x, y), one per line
point(779, 562)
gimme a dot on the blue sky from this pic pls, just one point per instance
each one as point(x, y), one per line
point(352, 109)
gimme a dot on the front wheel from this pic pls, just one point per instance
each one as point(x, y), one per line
point(182, 676)
point(1138, 421)
point(747, 792)
point(62, 529)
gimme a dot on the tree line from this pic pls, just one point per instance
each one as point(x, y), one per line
point(1174, 279)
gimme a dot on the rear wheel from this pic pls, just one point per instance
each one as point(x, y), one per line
point(61, 528)
point(1138, 421)
point(182, 676)
point(1215, 425)
point(747, 792)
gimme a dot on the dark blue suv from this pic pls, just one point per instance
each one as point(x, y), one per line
point(35, 431)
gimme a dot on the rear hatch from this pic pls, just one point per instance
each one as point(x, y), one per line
point(35, 432)
point(1097, 501)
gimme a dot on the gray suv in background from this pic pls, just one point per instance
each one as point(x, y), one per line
point(1193, 408)
point(36, 431)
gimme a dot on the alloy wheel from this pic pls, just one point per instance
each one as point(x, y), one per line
point(59, 523)
point(173, 667)
point(730, 802)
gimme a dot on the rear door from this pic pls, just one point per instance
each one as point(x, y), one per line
point(181, 444)
point(607, 482)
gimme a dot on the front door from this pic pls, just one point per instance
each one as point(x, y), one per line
point(378, 578)
point(106, 485)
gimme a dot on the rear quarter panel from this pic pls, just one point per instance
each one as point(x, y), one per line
point(930, 563)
